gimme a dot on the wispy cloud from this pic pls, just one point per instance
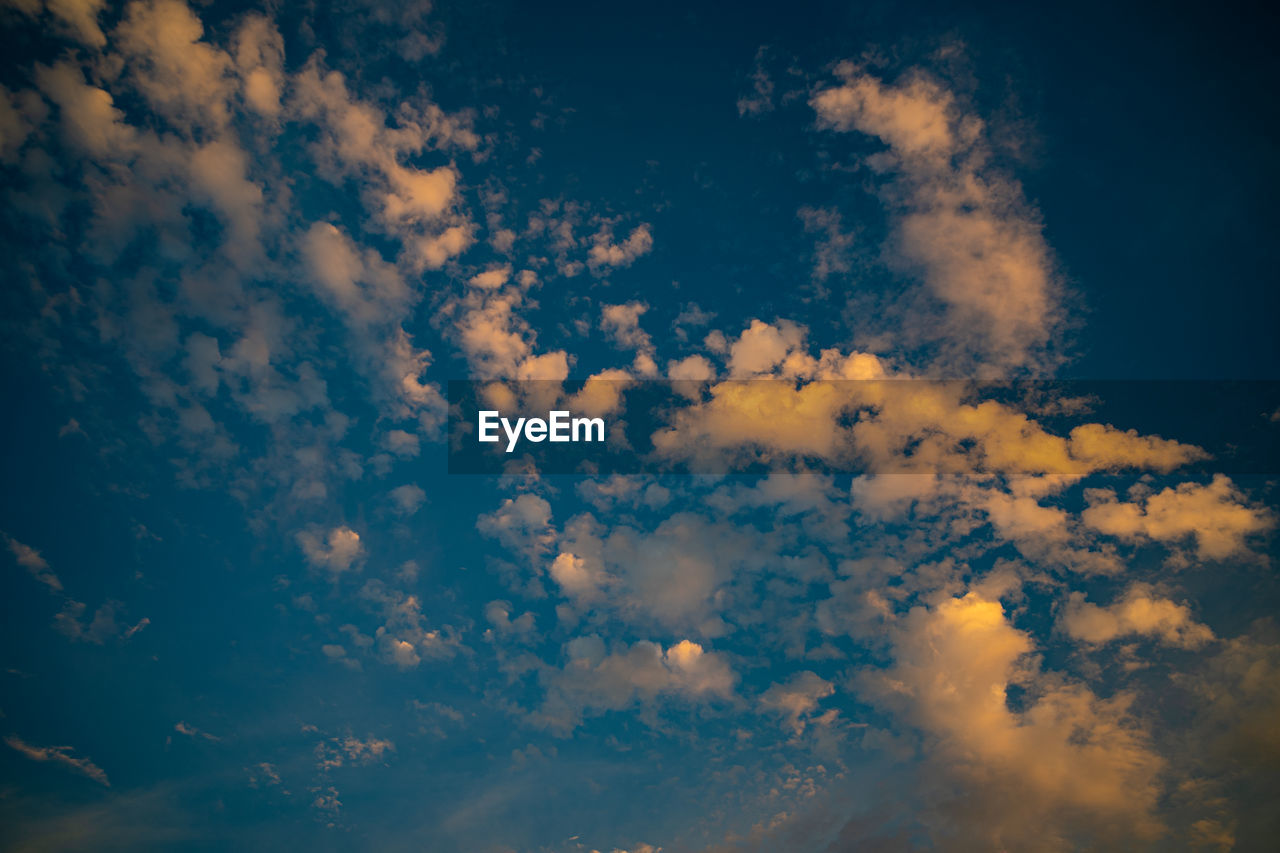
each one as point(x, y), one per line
point(59, 755)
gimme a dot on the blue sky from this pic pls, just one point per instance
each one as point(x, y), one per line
point(246, 605)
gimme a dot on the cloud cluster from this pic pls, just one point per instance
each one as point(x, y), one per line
point(267, 244)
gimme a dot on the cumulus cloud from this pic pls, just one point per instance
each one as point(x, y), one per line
point(184, 78)
point(1216, 517)
point(498, 614)
point(89, 119)
point(578, 579)
point(522, 524)
point(1138, 612)
point(403, 639)
point(1066, 765)
point(621, 323)
point(605, 254)
point(496, 339)
point(848, 410)
point(336, 551)
point(407, 499)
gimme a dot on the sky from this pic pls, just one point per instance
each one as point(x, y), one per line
point(842, 599)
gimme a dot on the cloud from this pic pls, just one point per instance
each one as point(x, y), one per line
point(185, 79)
point(498, 614)
point(336, 551)
point(270, 246)
point(336, 752)
point(1215, 516)
point(258, 50)
point(797, 700)
point(1240, 691)
point(192, 732)
point(29, 558)
point(958, 225)
point(496, 340)
point(219, 172)
point(1067, 765)
point(1137, 612)
point(916, 118)
point(59, 755)
point(849, 411)
point(522, 524)
point(147, 136)
point(90, 121)
point(621, 323)
point(413, 203)
point(578, 580)
point(401, 443)
point(263, 774)
point(694, 368)
point(833, 253)
point(760, 99)
point(595, 680)
point(403, 640)
point(373, 299)
point(76, 18)
point(407, 499)
point(605, 254)
point(364, 751)
point(70, 622)
point(670, 573)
